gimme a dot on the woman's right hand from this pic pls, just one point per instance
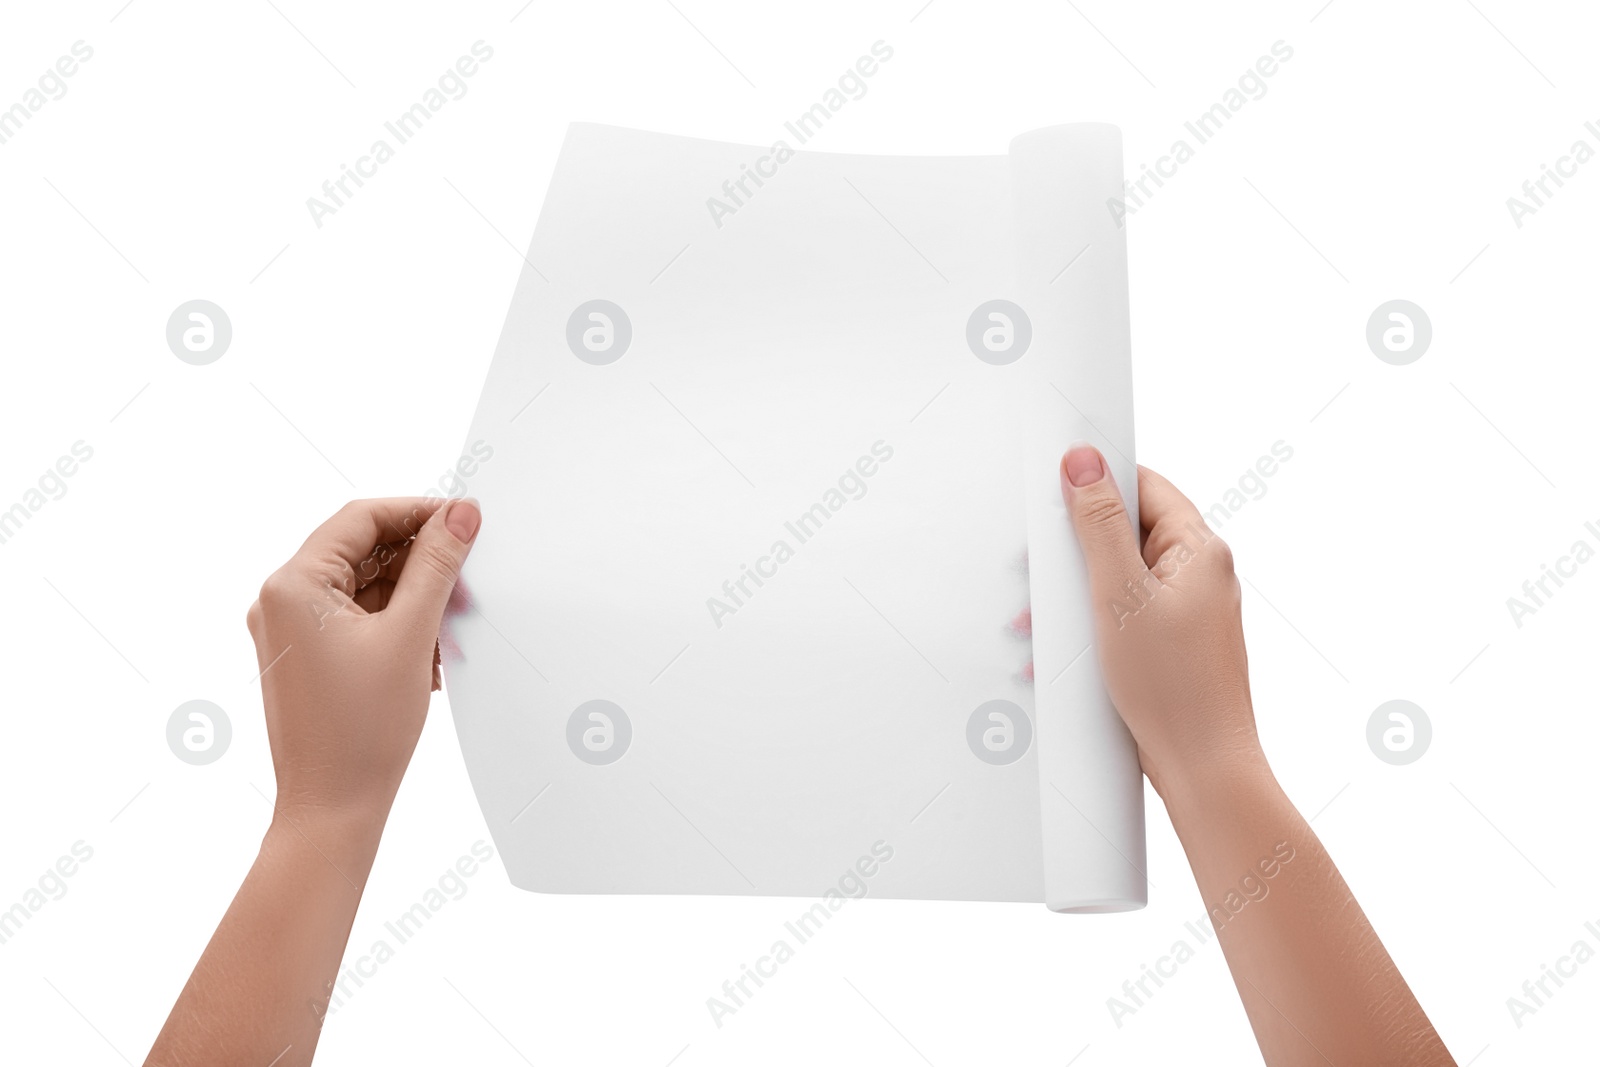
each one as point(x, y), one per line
point(1167, 624)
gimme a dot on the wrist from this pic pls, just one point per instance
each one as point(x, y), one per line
point(1217, 783)
point(343, 837)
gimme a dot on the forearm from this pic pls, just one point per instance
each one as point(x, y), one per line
point(261, 987)
point(1316, 981)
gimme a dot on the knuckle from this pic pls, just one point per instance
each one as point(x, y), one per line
point(1101, 512)
point(344, 578)
point(275, 592)
point(1220, 555)
point(436, 563)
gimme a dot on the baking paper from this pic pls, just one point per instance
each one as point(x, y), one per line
point(768, 457)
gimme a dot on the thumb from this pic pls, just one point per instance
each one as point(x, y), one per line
point(434, 561)
point(1104, 530)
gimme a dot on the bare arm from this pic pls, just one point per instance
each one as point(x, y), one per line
point(1316, 981)
point(1318, 985)
point(260, 990)
point(344, 634)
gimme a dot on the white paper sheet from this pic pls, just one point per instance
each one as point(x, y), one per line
point(804, 384)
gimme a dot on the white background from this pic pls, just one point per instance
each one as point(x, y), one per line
point(1379, 561)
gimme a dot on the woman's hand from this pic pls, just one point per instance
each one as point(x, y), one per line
point(345, 635)
point(1167, 625)
point(1318, 985)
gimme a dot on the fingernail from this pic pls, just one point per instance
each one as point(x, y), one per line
point(1083, 466)
point(464, 519)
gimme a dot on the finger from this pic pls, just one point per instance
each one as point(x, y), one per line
point(384, 564)
point(374, 596)
point(1104, 530)
point(371, 583)
point(1167, 517)
point(1178, 533)
point(433, 564)
point(348, 539)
